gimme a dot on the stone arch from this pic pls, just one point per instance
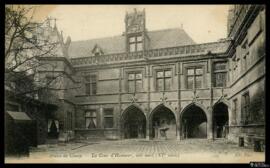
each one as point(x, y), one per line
point(223, 100)
point(133, 122)
point(196, 104)
point(220, 112)
point(135, 105)
point(193, 121)
point(162, 116)
point(160, 105)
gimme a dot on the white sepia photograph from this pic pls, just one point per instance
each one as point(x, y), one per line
point(135, 83)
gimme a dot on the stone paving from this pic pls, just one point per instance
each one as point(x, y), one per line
point(134, 151)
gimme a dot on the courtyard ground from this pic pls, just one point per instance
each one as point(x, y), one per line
point(141, 151)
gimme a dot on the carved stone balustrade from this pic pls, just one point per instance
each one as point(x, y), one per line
point(180, 51)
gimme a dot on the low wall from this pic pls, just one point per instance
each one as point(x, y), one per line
point(248, 130)
point(97, 134)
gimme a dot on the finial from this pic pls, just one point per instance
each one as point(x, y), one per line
point(48, 21)
point(133, 98)
point(195, 96)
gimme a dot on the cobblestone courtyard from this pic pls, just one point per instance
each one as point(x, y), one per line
point(136, 151)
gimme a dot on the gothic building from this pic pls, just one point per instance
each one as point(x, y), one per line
point(130, 85)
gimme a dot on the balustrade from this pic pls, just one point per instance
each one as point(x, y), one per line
point(197, 49)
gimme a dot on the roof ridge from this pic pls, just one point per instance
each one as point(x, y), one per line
point(98, 38)
point(176, 28)
point(119, 35)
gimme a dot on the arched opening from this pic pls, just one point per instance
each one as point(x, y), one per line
point(193, 123)
point(220, 120)
point(133, 123)
point(162, 118)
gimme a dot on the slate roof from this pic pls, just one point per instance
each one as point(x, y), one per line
point(116, 44)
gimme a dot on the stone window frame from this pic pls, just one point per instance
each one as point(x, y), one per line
point(220, 71)
point(134, 81)
point(90, 83)
point(90, 117)
point(132, 70)
point(156, 68)
point(194, 77)
point(108, 116)
point(234, 110)
point(205, 68)
point(163, 70)
point(135, 42)
point(245, 108)
point(245, 55)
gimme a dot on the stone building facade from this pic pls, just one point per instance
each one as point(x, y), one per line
point(131, 85)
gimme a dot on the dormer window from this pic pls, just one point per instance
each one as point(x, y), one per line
point(97, 51)
point(135, 43)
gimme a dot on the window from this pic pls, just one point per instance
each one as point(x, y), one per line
point(194, 77)
point(220, 74)
point(134, 82)
point(163, 80)
point(245, 54)
point(234, 111)
point(246, 117)
point(91, 85)
point(90, 119)
point(135, 43)
point(108, 118)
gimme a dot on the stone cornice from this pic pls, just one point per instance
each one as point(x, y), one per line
point(143, 62)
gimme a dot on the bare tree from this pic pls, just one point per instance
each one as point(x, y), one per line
point(25, 42)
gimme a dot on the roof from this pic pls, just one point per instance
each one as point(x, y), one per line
point(22, 116)
point(116, 44)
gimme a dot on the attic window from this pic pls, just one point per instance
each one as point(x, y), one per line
point(97, 51)
point(135, 43)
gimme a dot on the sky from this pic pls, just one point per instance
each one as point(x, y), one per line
point(203, 23)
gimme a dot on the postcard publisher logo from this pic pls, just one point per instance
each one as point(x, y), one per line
point(258, 164)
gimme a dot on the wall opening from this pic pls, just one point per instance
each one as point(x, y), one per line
point(162, 118)
point(133, 123)
point(220, 120)
point(193, 123)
